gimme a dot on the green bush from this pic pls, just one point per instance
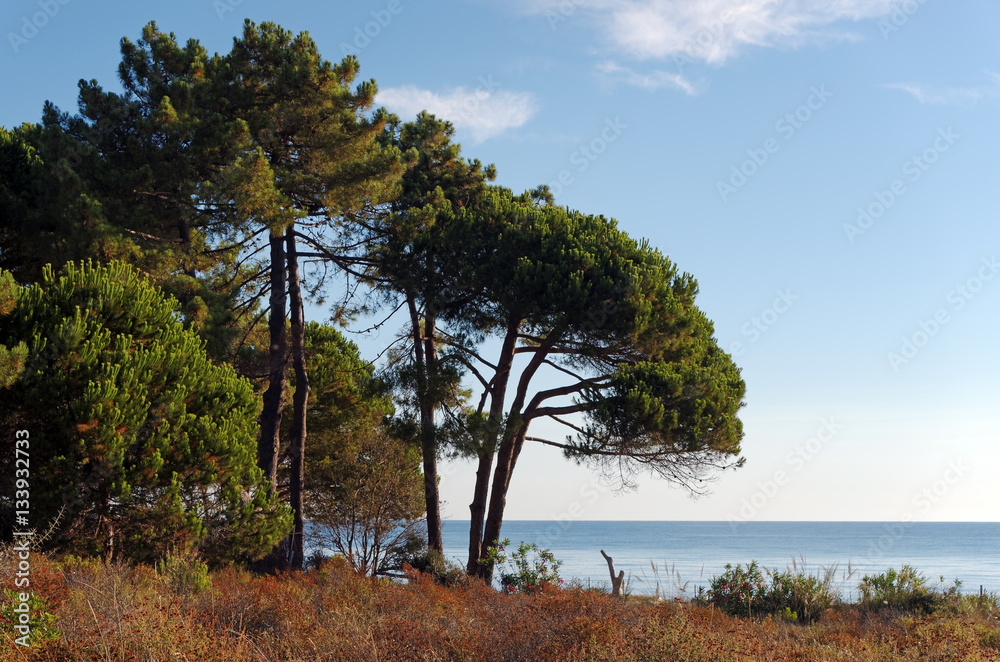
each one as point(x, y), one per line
point(528, 570)
point(905, 590)
point(434, 563)
point(793, 596)
point(978, 604)
point(41, 621)
point(139, 442)
point(805, 597)
point(185, 574)
point(740, 591)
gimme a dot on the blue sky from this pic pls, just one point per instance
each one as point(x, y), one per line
point(826, 170)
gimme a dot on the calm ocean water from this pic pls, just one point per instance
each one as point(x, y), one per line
point(695, 551)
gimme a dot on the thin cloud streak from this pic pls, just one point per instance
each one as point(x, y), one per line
point(949, 96)
point(714, 31)
point(654, 80)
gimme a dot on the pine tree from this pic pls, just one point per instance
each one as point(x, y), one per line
point(138, 442)
point(317, 159)
point(645, 386)
point(407, 263)
point(210, 173)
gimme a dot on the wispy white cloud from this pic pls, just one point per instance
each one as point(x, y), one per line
point(484, 113)
point(653, 80)
point(950, 96)
point(714, 31)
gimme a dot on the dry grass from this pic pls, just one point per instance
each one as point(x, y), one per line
point(108, 612)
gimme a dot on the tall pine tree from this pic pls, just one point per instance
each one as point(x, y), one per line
point(410, 266)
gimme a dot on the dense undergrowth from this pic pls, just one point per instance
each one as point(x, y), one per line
point(103, 612)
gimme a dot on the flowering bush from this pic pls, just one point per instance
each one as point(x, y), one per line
point(740, 591)
point(528, 570)
point(793, 596)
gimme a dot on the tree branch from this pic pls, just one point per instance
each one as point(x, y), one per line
point(150, 237)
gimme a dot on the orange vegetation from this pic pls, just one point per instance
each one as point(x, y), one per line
point(107, 612)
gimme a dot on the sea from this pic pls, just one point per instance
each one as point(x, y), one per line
point(674, 559)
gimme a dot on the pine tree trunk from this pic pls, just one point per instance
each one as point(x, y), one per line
point(477, 511)
point(274, 396)
point(300, 401)
point(510, 448)
point(477, 542)
point(507, 459)
point(428, 435)
point(498, 501)
point(423, 348)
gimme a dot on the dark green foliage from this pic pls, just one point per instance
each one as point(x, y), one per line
point(128, 178)
point(634, 361)
point(139, 444)
point(650, 411)
point(345, 392)
point(315, 151)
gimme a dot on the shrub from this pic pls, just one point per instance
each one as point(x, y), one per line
point(433, 563)
point(41, 620)
point(185, 574)
point(791, 595)
point(799, 596)
point(139, 442)
point(905, 590)
point(740, 591)
point(985, 605)
point(528, 570)
point(118, 611)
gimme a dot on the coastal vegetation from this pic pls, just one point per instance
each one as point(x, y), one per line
point(192, 435)
point(94, 610)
